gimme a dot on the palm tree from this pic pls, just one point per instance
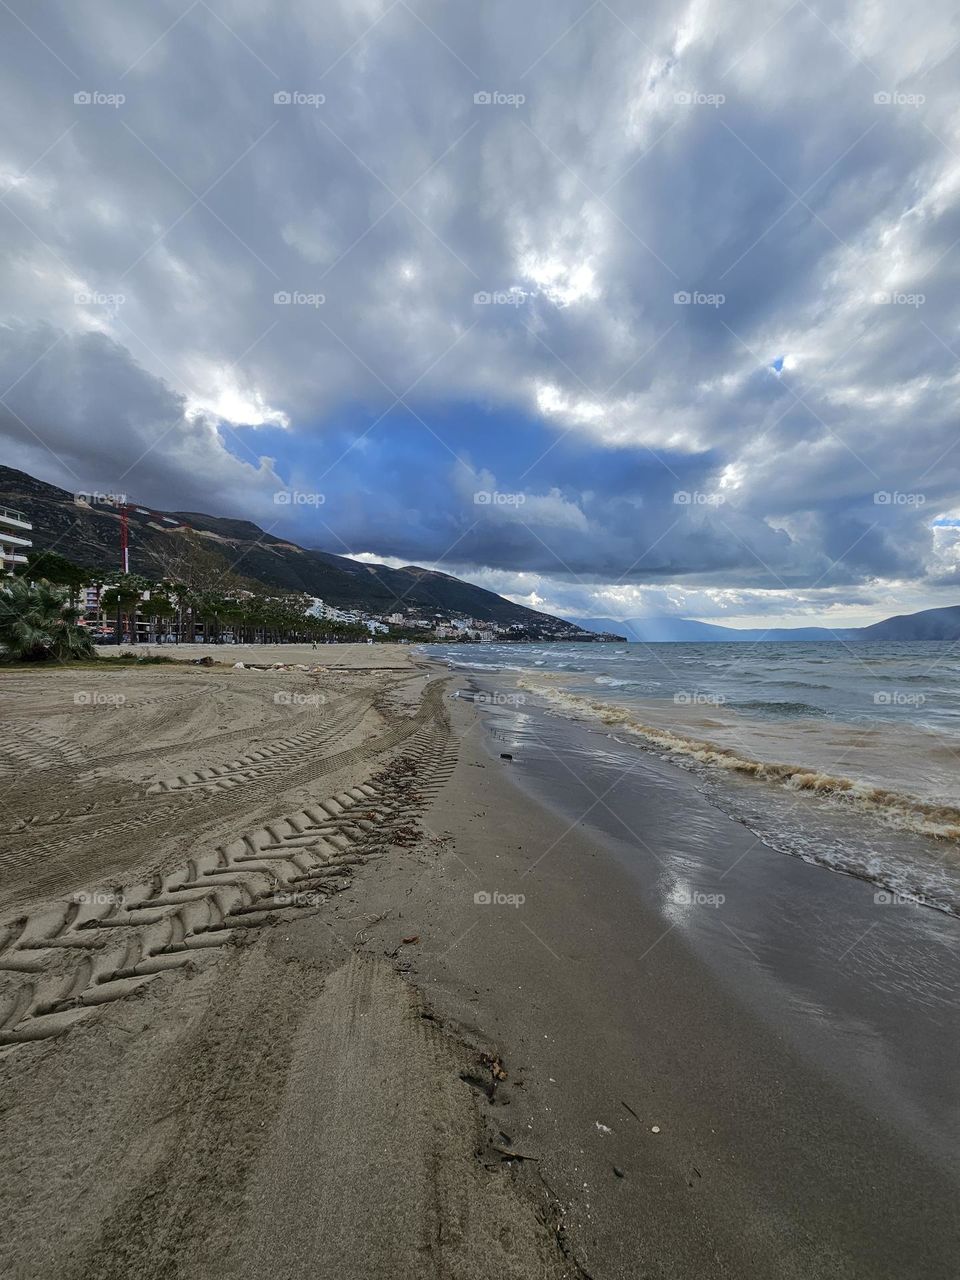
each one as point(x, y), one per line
point(161, 609)
point(124, 597)
point(38, 623)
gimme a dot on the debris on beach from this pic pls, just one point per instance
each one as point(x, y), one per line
point(495, 1066)
point(505, 755)
point(512, 1155)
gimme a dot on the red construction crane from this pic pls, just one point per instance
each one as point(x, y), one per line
point(125, 508)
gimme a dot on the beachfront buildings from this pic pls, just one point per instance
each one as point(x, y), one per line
point(14, 540)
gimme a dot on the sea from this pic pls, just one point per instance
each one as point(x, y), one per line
point(843, 755)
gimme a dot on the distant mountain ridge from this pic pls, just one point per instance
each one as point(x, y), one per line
point(928, 624)
point(89, 535)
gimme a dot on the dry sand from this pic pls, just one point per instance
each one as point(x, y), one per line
point(206, 1067)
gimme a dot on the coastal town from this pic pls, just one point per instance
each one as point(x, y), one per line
point(199, 603)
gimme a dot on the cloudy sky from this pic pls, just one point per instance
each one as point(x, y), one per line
point(615, 312)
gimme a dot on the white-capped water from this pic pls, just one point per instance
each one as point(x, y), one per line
point(845, 755)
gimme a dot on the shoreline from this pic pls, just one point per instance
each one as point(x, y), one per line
point(906, 844)
point(608, 1078)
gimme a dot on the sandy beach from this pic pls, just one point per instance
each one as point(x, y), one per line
point(338, 972)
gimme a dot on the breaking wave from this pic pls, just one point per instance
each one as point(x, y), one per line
point(894, 808)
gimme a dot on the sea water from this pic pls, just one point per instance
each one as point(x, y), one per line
point(843, 754)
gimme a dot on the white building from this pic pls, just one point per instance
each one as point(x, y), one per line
point(327, 612)
point(14, 543)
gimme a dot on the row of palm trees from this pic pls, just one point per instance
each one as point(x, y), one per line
point(176, 611)
point(40, 612)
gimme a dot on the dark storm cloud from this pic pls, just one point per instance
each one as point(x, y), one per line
point(799, 182)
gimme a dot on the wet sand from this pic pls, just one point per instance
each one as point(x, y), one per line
point(387, 1076)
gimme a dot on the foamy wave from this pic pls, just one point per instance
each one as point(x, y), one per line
point(905, 812)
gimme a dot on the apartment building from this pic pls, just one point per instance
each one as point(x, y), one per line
point(14, 540)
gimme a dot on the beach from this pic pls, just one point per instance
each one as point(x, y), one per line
point(368, 971)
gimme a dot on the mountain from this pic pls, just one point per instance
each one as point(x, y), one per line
point(928, 624)
point(657, 630)
point(88, 533)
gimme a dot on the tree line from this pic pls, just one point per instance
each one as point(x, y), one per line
point(41, 613)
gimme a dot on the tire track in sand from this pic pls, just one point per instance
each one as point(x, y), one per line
point(64, 961)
